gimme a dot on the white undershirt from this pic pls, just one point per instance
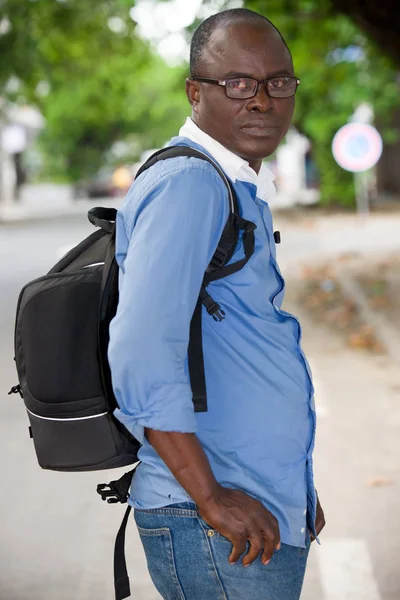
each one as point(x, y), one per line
point(235, 168)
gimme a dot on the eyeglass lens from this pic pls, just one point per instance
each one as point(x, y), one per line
point(243, 87)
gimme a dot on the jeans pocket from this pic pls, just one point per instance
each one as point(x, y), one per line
point(158, 548)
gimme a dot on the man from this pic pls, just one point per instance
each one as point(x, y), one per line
point(230, 488)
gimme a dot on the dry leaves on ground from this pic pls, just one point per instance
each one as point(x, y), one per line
point(321, 294)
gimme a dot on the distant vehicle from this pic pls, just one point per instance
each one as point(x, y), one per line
point(110, 182)
point(106, 183)
point(99, 185)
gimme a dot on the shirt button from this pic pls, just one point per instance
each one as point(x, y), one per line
point(304, 513)
point(302, 530)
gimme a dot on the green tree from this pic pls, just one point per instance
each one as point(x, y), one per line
point(339, 68)
point(103, 82)
point(379, 20)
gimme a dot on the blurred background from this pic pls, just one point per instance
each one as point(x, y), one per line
point(88, 89)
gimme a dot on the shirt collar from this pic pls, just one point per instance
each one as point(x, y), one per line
point(236, 168)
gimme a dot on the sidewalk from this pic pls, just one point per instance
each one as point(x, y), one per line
point(311, 238)
point(49, 201)
point(308, 235)
point(318, 256)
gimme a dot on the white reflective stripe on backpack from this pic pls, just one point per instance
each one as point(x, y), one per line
point(74, 419)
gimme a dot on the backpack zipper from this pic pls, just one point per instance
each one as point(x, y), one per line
point(16, 390)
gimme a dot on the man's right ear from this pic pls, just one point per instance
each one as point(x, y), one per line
point(193, 92)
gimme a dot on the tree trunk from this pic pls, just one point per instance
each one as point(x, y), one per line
point(388, 172)
point(379, 19)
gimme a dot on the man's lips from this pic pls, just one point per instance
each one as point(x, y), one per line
point(260, 128)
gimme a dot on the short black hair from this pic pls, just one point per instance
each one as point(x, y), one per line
point(203, 33)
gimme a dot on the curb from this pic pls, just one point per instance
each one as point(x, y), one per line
point(35, 218)
point(22, 215)
point(383, 329)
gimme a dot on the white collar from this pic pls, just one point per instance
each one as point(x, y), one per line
point(236, 168)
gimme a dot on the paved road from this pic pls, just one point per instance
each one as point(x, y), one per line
point(57, 537)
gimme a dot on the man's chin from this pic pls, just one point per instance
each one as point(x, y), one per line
point(258, 147)
point(257, 155)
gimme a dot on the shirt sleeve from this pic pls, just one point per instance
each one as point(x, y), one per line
point(170, 233)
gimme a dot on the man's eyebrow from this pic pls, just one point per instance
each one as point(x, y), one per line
point(275, 74)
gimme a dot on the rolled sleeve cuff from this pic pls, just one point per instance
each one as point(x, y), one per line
point(168, 408)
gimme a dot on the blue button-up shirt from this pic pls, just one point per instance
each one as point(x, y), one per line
point(258, 432)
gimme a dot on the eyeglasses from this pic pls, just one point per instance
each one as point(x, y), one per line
point(243, 88)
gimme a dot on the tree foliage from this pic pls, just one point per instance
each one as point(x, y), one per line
point(379, 20)
point(104, 83)
point(339, 68)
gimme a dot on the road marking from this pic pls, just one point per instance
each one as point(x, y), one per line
point(346, 570)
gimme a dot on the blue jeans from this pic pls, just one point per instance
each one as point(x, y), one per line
point(188, 560)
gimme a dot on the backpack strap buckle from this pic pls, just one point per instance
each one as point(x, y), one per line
point(108, 492)
point(116, 491)
point(213, 308)
point(219, 258)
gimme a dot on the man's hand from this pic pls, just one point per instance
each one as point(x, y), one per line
point(319, 520)
point(232, 513)
point(241, 518)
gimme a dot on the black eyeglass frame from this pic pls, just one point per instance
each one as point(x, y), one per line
point(224, 83)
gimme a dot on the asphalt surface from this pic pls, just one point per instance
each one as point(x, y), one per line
point(56, 536)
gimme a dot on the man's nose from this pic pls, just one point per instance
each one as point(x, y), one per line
point(261, 101)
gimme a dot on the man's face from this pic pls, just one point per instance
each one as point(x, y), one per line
point(251, 128)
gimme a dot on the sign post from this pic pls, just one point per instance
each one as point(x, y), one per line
point(357, 147)
point(362, 196)
point(12, 141)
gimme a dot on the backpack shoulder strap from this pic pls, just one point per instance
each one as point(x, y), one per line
point(229, 238)
point(217, 269)
point(176, 151)
point(235, 223)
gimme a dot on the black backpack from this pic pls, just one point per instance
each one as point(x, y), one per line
point(61, 341)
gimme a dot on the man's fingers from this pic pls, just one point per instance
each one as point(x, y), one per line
point(239, 547)
point(255, 547)
point(271, 533)
point(263, 535)
point(270, 545)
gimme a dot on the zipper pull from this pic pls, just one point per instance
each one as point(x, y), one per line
point(213, 308)
point(16, 390)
